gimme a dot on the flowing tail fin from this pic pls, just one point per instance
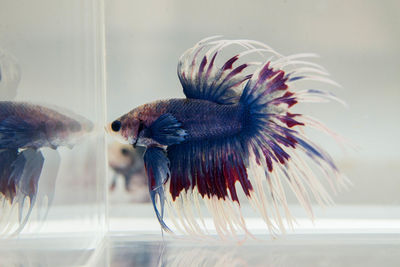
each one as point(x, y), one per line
point(276, 145)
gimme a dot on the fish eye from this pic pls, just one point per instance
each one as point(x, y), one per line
point(116, 126)
point(125, 152)
point(141, 127)
point(74, 126)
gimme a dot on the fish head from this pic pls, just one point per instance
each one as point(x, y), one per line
point(125, 128)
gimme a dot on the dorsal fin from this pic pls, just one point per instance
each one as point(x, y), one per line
point(202, 78)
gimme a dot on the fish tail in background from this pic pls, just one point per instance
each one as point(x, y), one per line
point(266, 158)
point(10, 76)
point(20, 172)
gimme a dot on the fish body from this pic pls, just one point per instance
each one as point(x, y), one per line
point(25, 125)
point(201, 119)
point(235, 127)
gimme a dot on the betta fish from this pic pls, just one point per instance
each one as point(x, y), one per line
point(234, 130)
point(24, 130)
point(24, 125)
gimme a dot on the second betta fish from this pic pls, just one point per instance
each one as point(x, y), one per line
point(235, 127)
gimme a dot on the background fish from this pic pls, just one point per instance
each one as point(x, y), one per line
point(127, 162)
point(235, 126)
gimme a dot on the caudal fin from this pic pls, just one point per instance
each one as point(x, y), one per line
point(279, 150)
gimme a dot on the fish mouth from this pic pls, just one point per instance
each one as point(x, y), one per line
point(108, 130)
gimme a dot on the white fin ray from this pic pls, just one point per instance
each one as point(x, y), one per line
point(318, 78)
point(202, 78)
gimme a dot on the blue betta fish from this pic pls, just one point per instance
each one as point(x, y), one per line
point(235, 127)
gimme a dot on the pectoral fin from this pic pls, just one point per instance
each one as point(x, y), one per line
point(167, 130)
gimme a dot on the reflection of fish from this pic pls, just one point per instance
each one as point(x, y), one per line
point(234, 127)
point(25, 128)
point(127, 162)
point(20, 173)
point(24, 125)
